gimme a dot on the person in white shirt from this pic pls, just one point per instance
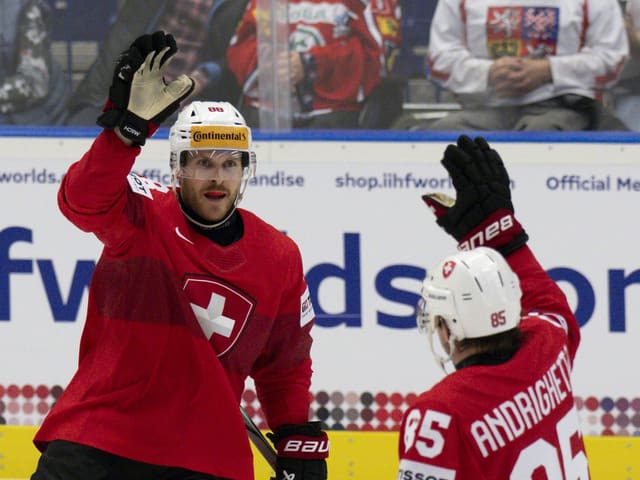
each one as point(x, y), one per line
point(520, 65)
point(627, 91)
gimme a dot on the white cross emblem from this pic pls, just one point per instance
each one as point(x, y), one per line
point(447, 268)
point(211, 319)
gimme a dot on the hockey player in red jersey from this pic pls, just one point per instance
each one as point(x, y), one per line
point(190, 296)
point(334, 61)
point(507, 411)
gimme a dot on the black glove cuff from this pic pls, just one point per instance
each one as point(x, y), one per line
point(110, 118)
point(518, 241)
point(134, 128)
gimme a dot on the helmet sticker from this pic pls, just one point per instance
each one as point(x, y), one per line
point(447, 268)
point(223, 137)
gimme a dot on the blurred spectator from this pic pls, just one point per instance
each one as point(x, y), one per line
point(515, 67)
point(386, 17)
point(384, 104)
point(202, 28)
point(32, 84)
point(334, 63)
point(627, 91)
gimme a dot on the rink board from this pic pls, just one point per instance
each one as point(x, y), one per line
point(354, 456)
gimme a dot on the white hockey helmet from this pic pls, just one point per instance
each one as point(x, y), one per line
point(215, 126)
point(475, 292)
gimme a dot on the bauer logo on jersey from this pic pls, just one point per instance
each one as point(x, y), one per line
point(221, 310)
point(230, 137)
point(306, 308)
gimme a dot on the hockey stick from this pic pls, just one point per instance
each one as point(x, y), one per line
point(259, 440)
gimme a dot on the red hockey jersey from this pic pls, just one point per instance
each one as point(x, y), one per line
point(505, 421)
point(335, 33)
point(176, 323)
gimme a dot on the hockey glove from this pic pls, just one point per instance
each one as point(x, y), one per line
point(149, 100)
point(127, 64)
point(482, 212)
point(302, 452)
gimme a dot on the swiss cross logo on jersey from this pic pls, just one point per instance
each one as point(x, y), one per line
point(222, 310)
point(447, 268)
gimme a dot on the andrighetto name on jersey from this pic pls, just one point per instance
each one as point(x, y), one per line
point(525, 409)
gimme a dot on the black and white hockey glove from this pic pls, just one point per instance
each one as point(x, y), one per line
point(302, 452)
point(482, 212)
point(127, 64)
point(139, 99)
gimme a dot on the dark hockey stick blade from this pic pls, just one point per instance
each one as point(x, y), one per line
point(259, 440)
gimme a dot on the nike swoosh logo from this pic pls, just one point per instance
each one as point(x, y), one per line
point(179, 233)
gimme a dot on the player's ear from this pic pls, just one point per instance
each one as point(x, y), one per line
point(443, 331)
point(440, 323)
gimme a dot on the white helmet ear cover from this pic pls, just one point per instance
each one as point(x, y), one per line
point(427, 320)
point(427, 311)
point(475, 292)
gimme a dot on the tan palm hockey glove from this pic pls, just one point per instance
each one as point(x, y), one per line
point(150, 99)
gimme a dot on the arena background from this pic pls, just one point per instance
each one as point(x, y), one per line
point(352, 202)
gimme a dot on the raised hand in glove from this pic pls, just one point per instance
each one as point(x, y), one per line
point(302, 452)
point(139, 98)
point(482, 212)
point(127, 64)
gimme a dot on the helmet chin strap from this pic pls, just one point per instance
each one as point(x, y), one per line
point(442, 360)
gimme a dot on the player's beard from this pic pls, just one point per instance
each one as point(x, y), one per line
point(208, 212)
